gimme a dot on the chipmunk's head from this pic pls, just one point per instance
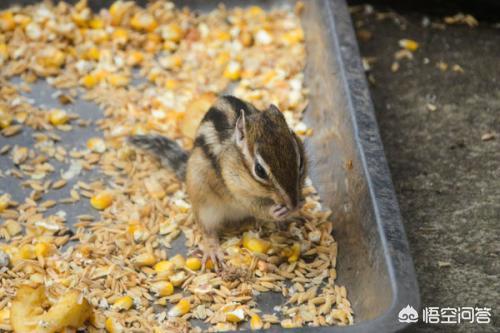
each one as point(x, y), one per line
point(273, 156)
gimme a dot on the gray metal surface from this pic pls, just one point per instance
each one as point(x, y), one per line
point(348, 168)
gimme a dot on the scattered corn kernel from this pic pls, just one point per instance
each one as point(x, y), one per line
point(171, 84)
point(51, 57)
point(113, 326)
point(7, 21)
point(58, 117)
point(409, 44)
point(90, 80)
point(143, 21)
point(193, 263)
point(117, 80)
point(4, 202)
point(27, 251)
point(123, 303)
point(181, 308)
point(294, 36)
point(96, 145)
point(120, 36)
point(233, 71)
point(209, 264)
point(145, 259)
point(92, 53)
point(102, 200)
point(256, 322)
point(294, 253)
point(288, 323)
point(162, 288)
point(135, 58)
point(164, 266)
point(117, 11)
point(96, 23)
point(137, 231)
point(172, 32)
point(255, 244)
point(43, 249)
point(235, 316)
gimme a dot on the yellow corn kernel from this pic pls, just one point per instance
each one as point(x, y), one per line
point(178, 278)
point(96, 145)
point(246, 39)
point(294, 253)
point(255, 244)
point(235, 316)
point(13, 227)
point(113, 326)
point(145, 259)
point(164, 266)
point(43, 249)
point(209, 264)
point(22, 20)
point(4, 202)
point(81, 18)
point(120, 36)
point(135, 58)
point(92, 53)
point(223, 36)
point(288, 323)
point(51, 57)
point(162, 288)
point(117, 11)
point(294, 36)
point(123, 303)
point(233, 71)
point(409, 44)
point(7, 21)
point(5, 316)
point(90, 80)
point(101, 200)
point(180, 308)
point(171, 84)
point(4, 53)
point(193, 263)
point(223, 58)
point(178, 261)
point(255, 11)
point(117, 80)
point(27, 251)
point(256, 322)
point(58, 117)
point(137, 231)
point(172, 32)
point(96, 23)
point(143, 21)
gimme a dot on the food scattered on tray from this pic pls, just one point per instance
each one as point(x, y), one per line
point(151, 70)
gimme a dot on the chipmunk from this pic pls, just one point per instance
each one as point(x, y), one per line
point(245, 163)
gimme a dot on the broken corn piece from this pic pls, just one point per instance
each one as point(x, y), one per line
point(117, 80)
point(255, 244)
point(5, 119)
point(193, 263)
point(294, 253)
point(96, 23)
point(123, 303)
point(43, 249)
point(27, 251)
point(137, 231)
point(233, 71)
point(120, 36)
point(180, 308)
point(96, 145)
point(4, 202)
point(7, 21)
point(172, 32)
point(294, 37)
point(58, 117)
point(145, 259)
point(235, 316)
point(162, 288)
point(409, 44)
point(90, 80)
point(101, 200)
point(256, 322)
point(113, 326)
point(143, 21)
point(178, 261)
point(92, 53)
point(178, 278)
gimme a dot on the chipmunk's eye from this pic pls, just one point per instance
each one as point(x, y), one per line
point(259, 171)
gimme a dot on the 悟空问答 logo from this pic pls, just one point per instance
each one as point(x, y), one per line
point(408, 315)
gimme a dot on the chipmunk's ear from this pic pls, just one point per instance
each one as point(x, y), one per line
point(240, 131)
point(274, 109)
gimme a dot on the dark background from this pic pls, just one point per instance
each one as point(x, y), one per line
point(446, 177)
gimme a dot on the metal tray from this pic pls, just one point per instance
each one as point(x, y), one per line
point(348, 167)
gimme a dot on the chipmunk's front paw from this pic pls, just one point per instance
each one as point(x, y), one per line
point(211, 250)
point(279, 212)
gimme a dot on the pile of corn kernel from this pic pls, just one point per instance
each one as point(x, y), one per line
point(151, 70)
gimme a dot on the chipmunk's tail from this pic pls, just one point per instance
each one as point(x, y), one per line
point(169, 151)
